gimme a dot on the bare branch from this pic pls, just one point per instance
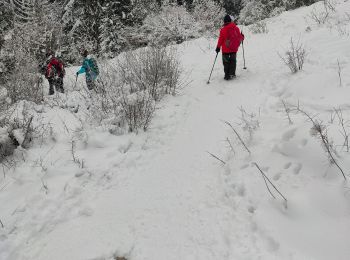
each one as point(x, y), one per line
point(320, 131)
point(239, 137)
point(266, 178)
point(287, 110)
point(339, 74)
point(217, 158)
point(230, 144)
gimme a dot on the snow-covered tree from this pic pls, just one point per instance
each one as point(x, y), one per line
point(209, 14)
point(232, 7)
point(173, 24)
point(82, 21)
point(116, 16)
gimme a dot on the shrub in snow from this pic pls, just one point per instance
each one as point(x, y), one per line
point(17, 127)
point(208, 14)
point(172, 24)
point(295, 56)
point(259, 27)
point(156, 70)
point(256, 10)
point(127, 93)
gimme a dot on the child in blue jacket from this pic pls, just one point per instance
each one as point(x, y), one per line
point(90, 69)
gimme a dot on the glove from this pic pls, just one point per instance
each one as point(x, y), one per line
point(217, 50)
point(76, 74)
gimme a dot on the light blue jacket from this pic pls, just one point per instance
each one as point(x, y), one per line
point(88, 68)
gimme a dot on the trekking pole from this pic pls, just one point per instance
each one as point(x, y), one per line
point(76, 79)
point(243, 55)
point(212, 68)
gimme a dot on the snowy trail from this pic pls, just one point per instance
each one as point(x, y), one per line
point(175, 196)
point(160, 195)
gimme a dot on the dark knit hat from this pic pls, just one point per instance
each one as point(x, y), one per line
point(84, 53)
point(227, 19)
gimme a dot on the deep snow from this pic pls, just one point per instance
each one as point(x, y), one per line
point(160, 195)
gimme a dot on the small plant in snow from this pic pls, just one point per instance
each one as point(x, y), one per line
point(295, 56)
point(249, 122)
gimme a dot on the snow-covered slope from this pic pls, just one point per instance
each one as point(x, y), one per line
point(161, 195)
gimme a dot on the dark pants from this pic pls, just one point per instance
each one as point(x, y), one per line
point(229, 60)
point(55, 83)
point(90, 83)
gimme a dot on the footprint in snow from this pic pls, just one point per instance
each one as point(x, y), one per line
point(297, 168)
point(251, 209)
point(86, 212)
point(272, 244)
point(289, 134)
point(244, 166)
point(277, 176)
point(303, 142)
point(287, 165)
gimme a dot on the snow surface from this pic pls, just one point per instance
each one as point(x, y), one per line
point(161, 195)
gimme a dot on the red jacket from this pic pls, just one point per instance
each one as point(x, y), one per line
point(230, 38)
point(56, 70)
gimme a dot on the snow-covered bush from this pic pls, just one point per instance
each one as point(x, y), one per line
point(321, 15)
point(259, 27)
point(295, 56)
point(209, 14)
point(128, 92)
point(257, 10)
point(23, 82)
point(19, 125)
point(172, 24)
point(253, 11)
point(154, 69)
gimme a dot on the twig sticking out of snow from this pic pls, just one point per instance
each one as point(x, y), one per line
point(287, 110)
point(239, 137)
point(2, 225)
point(230, 144)
point(344, 132)
point(339, 74)
point(27, 133)
point(266, 179)
point(320, 131)
point(217, 158)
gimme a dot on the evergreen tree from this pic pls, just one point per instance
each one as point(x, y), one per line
point(6, 19)
point(233, 7)
point(82, 22)
point(111, 28)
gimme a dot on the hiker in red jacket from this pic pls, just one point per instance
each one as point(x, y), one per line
point(230, 39)
point(54, 73)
